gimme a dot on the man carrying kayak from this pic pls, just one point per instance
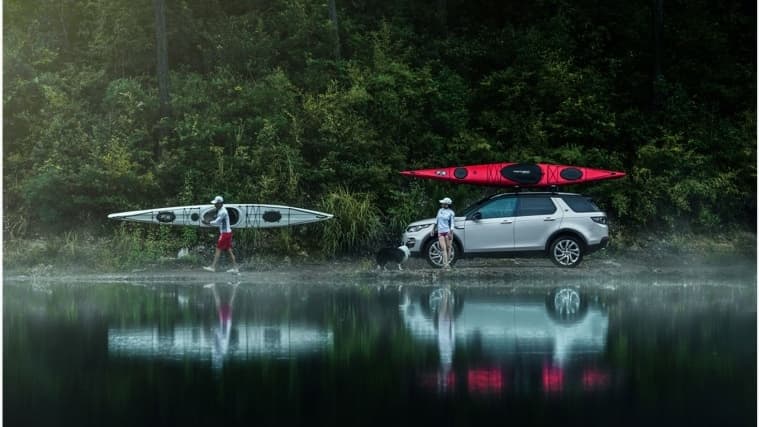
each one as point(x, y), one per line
point(225, 235)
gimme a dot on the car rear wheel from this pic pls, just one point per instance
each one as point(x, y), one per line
point(434, 255)
point(566, 251)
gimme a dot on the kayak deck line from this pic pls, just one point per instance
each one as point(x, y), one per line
point(240, 215)
point(516, 174)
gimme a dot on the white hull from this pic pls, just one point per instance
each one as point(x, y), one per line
point(240, 215)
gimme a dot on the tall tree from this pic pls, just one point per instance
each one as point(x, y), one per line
point(333, 18)
point(442, 14)
point(658, 26)
point(159, 7)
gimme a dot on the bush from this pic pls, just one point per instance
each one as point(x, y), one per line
point(356, 224)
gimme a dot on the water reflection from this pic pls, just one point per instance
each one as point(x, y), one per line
point(224, 311)
point(562, 333)
point(272, 354)
point(224, 340)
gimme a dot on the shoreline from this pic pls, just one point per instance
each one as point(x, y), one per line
point(594, 271)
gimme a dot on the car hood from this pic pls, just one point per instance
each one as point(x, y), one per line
point(422, 222)
point(432, 221)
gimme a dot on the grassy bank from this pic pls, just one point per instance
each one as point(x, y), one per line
point(130, 249)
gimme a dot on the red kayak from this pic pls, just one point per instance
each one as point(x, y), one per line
point(516, 174)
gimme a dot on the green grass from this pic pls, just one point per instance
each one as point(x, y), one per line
point(356, 224)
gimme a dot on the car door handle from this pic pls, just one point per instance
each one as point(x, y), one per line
point(549, 219)
point(458, 227)
point(507, 221)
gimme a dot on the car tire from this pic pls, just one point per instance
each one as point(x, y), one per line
point(435, 258)
point(566, 251)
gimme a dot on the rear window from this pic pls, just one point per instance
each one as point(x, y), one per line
point(580, 203)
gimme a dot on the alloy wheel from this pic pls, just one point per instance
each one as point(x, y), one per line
point(566, 252)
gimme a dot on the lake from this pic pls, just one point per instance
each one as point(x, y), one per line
point(381, 349)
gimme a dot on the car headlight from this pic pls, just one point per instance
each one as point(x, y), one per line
point(415, 228)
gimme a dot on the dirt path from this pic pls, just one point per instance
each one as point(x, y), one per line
point(604, 271)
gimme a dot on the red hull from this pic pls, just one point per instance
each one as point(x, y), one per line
point(516, 174)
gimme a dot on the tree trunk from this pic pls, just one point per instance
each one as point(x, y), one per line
point(442, 15)
point(162, 70)
point(333, 18)
point(159, 7)
point(64, 28)
point(658, 24)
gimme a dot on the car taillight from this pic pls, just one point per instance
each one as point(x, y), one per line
point(599, 219)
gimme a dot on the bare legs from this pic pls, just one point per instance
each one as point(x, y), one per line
point(231, 256)
point(445, 248)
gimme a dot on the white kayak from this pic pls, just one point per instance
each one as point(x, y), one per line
point(240, 215)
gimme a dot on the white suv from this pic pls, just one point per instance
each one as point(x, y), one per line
point(564, 226)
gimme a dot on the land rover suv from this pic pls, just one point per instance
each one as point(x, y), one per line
point(563, 226)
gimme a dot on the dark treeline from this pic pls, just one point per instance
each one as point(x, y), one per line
point(309, 104)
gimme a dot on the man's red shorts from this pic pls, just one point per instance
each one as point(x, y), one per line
point(225, 241)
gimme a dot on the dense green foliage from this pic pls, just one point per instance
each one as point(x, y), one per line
point(262, 111)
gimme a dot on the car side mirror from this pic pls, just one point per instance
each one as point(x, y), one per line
point(476, 216)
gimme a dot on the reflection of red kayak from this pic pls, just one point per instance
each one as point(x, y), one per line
point(516, 174)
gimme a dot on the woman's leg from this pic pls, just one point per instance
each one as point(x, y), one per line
point(443, 242)
point(449, 247)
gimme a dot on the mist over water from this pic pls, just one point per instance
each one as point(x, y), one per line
point(382, 349)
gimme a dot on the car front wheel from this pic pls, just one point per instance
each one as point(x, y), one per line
point(434, 255)
point(566, 251)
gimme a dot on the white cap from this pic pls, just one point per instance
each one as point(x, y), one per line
point(217, 199)
point(447, 201)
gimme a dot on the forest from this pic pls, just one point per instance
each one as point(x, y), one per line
point(117, 105)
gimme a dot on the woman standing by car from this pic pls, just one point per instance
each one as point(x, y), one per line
point(444, 228)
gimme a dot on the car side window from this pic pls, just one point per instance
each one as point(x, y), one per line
point(580, 204)
point(499, 208)
point(536, 206)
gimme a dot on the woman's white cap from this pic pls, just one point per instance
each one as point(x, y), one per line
point(447, 201)
point(217, 199)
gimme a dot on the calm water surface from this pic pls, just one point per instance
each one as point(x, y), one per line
point(435, 353)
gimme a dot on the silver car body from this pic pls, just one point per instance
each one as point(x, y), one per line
point(499, 225)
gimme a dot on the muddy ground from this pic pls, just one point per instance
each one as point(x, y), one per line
point(606, 270)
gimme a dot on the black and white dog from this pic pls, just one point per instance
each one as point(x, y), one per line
point(397, 255)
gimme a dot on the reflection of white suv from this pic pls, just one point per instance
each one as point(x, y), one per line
point(565, 226)
point(563, 324)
